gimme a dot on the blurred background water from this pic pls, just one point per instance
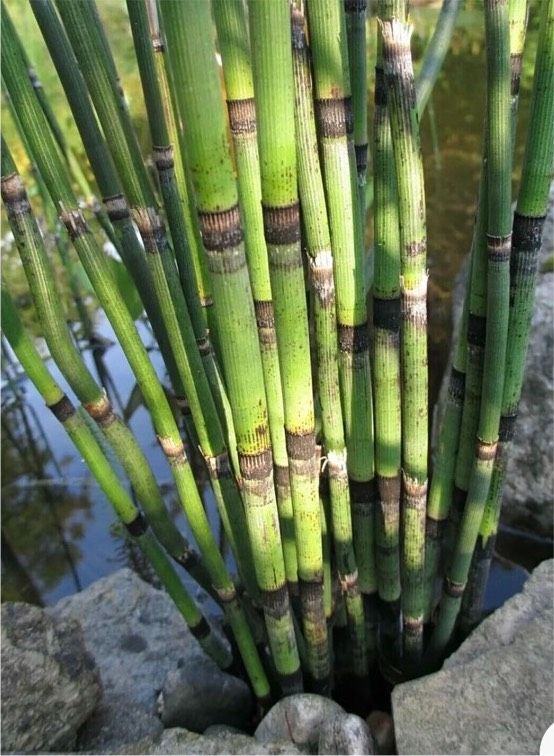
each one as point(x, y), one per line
point(58, 531)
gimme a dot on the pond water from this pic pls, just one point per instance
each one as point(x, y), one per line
point(58, 531)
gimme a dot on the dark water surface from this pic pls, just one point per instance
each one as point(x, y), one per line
point(58, 531)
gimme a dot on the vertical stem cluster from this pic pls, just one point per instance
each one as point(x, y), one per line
point(413, 288)
point(333, 109)
point(498, 225)
point(201, 107)
point(386, 346)
point(274, 90)
point(235, 52)
point(312, 197)
point(526, 241)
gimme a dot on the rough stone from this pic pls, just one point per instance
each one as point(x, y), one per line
point(50, 684)
point(493, 695)
point(196, 701)
point(136, 636)
point(528, 501)
point(179, 741)
point(297, 718)
point(115, 721)
point(347, 734)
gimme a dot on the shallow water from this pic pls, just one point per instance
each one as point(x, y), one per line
point(58, 532)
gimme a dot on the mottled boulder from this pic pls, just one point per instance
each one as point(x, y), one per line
point(180, 741)
point(136, 636)
point(493, 695)
point(345, 733)
point(196, 701)
point(50, 684)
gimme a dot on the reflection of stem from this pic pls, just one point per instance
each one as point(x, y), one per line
point(31, 458)
point(25, 586)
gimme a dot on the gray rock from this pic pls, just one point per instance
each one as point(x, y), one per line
point(297, 718)
point(196, 701)
point(50, 684)
point(345, 733)
point(115, 721)
point(136, 636)
point(528, 501)
point(181, 741)
point(494, 695)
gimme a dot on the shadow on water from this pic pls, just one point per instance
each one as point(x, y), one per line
point(58, 532)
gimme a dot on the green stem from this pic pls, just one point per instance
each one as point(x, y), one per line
point(202, 110)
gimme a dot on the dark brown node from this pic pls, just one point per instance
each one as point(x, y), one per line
point(137, 527)
point(516, 59)
point(363, 491)
point(527, 233)
point(291, 683)
point(456, 386)
point(476, 330)
point(276, 602)
point(353, 339)
point(265, 317)
point(74, 222)
point(507, 427)
point(361, 157)
point(14, 195)
point(498, 248)
point(281, 476)
point(485, 451)
point(201, 630)
point(256, 466)
point(282, 224)
point(63, 409)
point(386, 314)
point(163, 157)
point(151, 229)
point(415, 248)
point(242, 116)
point(334, 117)
point(455, 590)
point(300, 445)
point(188, 559)
point(434, 529)
point(116, 207)
point(389, 488)
point(218, 466)
point(221, 230)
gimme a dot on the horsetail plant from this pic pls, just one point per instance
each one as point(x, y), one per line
point(201, 108)
point(274, 92)
point(93, 456)
point(528, 224)
point(498, 227)
point(334, 121)
point(386, 350)
point(175, 311)
point(55, 176)
point(233, 40)
point(316, 454)
point(403, 116)
point(318, 241)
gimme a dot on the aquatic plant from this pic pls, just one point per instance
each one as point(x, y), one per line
point(247, 252)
